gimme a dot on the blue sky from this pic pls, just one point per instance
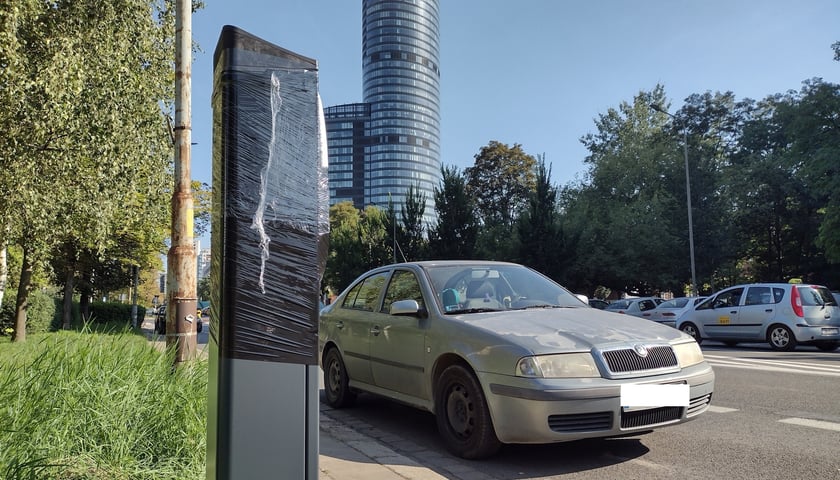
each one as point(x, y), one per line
point(538, 72)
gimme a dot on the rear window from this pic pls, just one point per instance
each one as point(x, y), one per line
point(813, 296)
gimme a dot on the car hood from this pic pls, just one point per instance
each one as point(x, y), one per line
point(559, 329)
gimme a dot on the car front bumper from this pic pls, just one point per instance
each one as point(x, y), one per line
point(558, 410)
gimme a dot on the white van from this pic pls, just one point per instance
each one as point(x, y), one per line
point(782, 314)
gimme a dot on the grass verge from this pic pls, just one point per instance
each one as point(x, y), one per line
point(81, 405)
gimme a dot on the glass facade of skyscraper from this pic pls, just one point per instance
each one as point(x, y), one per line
point(401, 87)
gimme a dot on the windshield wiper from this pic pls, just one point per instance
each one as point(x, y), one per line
point(472, 310)
point(546, 305)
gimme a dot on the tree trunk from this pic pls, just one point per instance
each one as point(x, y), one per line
point(22, 299)
point(84, 298)
point(67, 310)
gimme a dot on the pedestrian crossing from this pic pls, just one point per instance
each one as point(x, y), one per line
point(779, 366)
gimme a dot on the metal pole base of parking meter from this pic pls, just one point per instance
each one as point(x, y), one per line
point(269, 244)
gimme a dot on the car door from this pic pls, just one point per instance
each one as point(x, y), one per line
point(756, 313)
point(397, 341)
point(720, 315)
point(353, 322)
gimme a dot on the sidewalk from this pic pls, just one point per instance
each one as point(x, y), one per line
point(346, 454)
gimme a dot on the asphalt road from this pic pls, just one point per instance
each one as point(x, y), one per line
point(774, 415)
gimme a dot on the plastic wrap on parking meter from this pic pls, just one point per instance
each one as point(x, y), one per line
point(269, 244)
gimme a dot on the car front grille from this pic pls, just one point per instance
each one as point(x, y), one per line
point(653, 416)
point(580, 422)
point(627, 360)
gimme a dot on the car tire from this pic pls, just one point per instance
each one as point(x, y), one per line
point(781, 338)
point(692, 330)
point(828, 346)
point(336, 382)
point(462, 416)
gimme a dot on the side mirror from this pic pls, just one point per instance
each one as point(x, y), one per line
point(406, 307)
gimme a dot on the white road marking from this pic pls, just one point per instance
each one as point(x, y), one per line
point(807, 422)
point(773, 366)
point(716, 409)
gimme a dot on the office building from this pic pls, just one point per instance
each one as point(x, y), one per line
point(391, 141)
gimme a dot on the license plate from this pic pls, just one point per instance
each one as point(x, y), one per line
point(830, 331)
point(723, 320)
point(651, 396)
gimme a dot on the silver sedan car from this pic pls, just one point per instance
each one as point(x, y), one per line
point(502, 354)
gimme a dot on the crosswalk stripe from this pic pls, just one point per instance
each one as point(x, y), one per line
point(717, 409)
point(769, 367)
point(807, 422)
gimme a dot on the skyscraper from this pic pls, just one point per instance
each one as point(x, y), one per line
point(380, 148)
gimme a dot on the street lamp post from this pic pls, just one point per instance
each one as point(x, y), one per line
point(693, 288)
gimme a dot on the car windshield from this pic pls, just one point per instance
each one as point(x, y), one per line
point(491, 287)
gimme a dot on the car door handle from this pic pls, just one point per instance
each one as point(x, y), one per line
point(769, 310)
point(733, 312)
point(375, 330)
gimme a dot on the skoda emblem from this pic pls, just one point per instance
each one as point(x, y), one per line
point(641, 350)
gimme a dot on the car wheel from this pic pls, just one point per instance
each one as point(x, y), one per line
point(463, 419)
point(781, 338)
point(828, 346)
point(336, 383)
point(691, 329)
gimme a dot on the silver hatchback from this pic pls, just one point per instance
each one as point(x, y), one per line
point(781, 314)
point(502, 354)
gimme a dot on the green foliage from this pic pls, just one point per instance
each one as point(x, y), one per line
point(454, 235)
point(84, 405)
point(358, 242)
point(413, 241)
point(107, 312)
point(542, 244)
point(43, 314)
point(500, 181)
point(85, 153)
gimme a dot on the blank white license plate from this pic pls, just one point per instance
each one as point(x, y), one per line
point(651, 396)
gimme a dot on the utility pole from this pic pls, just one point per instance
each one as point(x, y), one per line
point(181, 261)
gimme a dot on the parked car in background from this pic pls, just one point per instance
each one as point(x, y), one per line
point(638, 307)
point(668, 311)
point(499, 353)
point(160, 321)
point(598, 303)
point(781, 314)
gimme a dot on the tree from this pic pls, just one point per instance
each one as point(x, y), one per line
point(80, 106)
point(414, 238)
point(783, 185)
point(454, 235)
point(626, 216)
point(358, 242)
point(542, 245)
point(500, 182)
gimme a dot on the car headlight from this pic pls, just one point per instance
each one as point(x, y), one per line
point(566, 365)
point(688, 354)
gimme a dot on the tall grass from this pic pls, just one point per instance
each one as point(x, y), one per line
point(82, 405)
